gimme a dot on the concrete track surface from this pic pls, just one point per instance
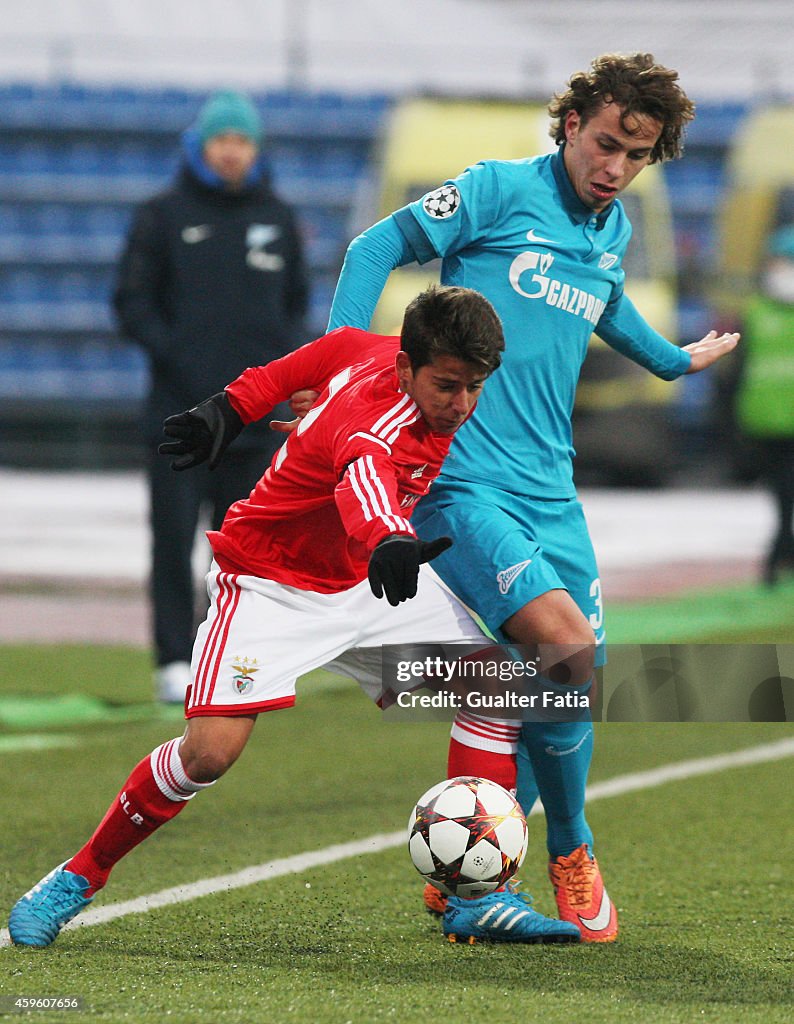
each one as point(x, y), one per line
point(74, 549)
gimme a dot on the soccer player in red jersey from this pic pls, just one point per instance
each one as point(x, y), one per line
point(300, 563)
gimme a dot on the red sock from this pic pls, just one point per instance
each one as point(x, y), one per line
point(140, 809)
point(485, 748)
point(483, 764)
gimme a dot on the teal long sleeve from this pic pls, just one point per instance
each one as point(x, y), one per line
point(623, 329)
point(370, 259)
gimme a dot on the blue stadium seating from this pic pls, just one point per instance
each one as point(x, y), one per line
point(74, 159)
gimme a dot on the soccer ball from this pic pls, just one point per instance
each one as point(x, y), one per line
point(467, 836)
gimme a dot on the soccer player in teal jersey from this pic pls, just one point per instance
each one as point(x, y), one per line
point(544, 240)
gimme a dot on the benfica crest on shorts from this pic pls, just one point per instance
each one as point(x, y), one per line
point(244, 681)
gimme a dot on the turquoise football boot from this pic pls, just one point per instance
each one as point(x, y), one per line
point(41, 913)
point(503, 916)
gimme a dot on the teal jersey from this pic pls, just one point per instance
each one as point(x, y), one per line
point(552, 268)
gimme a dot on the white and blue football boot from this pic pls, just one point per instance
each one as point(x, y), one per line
point(39, 915)
point(503, 916)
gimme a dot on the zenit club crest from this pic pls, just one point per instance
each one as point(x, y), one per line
point(243, 682)
point(507, 577)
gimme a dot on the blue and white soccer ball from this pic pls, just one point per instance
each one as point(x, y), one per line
point(467, 836)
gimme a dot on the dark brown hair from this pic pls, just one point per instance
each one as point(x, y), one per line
point(639, 86)
point(452, 321)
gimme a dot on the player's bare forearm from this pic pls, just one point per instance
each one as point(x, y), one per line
point(708, 350)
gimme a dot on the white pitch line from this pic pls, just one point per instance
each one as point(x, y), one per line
point(618, 786)
point(36, 741)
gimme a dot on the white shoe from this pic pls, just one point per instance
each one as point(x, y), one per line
point(172, 681)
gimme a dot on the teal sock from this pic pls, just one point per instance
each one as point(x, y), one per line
point(559, 755)
point(526, 786)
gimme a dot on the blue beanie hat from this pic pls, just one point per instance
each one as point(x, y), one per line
point(229, 112)
point(781, 243)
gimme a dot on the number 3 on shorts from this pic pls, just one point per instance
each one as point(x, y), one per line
point(597, 617)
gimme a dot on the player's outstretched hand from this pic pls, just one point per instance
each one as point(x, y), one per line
point(301, 401)
point(285, 426)
point(394, 565)
point(709, 349)
point(202, 433)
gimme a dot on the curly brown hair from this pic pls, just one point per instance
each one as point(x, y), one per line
point(639, 86)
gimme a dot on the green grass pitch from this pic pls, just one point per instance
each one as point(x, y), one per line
point(697, 868)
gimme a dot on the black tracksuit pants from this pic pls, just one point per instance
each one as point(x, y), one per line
point(176, 502)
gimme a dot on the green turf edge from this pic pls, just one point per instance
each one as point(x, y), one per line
point(740, 614)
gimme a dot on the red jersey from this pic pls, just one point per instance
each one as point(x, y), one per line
point(347, 477)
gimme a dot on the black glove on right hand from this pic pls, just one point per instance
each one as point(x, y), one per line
point(394, 565)
point(204, 432)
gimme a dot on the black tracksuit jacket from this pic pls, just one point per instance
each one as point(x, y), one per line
point(210, 282)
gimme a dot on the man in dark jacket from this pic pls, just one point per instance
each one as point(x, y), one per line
point(211, 281)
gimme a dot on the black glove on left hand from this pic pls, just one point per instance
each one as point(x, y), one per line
point(204, 432)
point(394, 565)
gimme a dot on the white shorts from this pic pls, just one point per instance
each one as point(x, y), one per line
point(259, 636)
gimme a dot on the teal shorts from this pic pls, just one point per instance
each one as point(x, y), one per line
point(509, 549)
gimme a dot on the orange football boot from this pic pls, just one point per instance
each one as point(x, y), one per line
point(435, 901)
point(581, 897)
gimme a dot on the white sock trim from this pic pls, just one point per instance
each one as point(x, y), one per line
point(170, 775)
point(496, 735)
